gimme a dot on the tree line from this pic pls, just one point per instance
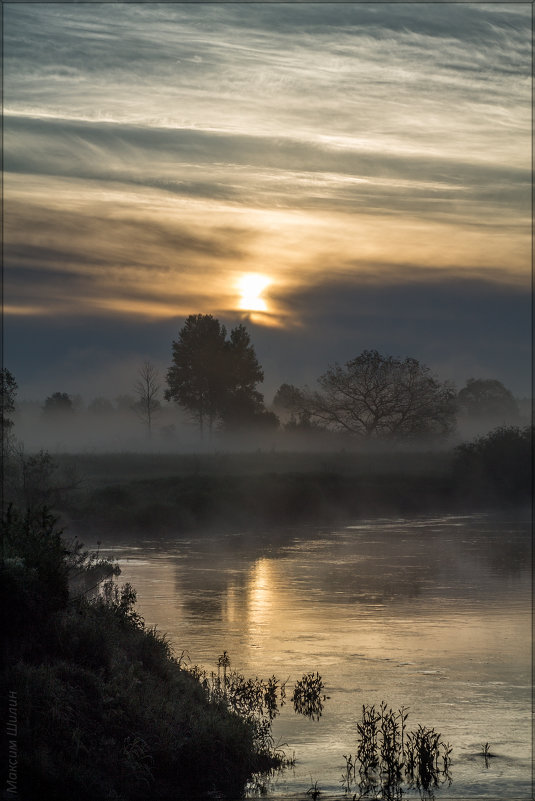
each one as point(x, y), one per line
point(214, 377)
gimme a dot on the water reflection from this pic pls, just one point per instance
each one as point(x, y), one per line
point(431, 613)
point(260, 596)
point(308, 697)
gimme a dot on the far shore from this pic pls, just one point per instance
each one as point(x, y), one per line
point(119, 495)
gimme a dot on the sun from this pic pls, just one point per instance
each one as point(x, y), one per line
point(251, 286)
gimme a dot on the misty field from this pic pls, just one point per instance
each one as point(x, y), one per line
point(161, 494)
point(112, 495)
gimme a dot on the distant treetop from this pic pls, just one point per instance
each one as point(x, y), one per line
point(487, 398)
point(58, 403)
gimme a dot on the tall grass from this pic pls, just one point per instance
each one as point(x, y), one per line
point(391, 759)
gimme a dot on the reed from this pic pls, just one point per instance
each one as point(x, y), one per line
point(391, 759)
point(314, 791)
point(308, 696)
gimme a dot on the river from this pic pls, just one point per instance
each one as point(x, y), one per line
point(432, 613)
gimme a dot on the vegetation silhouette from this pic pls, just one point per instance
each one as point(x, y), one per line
point(391, 759)
point(308, 697)
point(221, 492)
point(487, 401)
point(8, 393)
point(104, 708)
point(214, 378)
point(496, 467)
point(379, 396)
point(58, 405)
point(147, 388)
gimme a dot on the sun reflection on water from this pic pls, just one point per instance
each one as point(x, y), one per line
point(260, 595)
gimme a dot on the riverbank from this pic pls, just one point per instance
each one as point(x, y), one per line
point(102, 708)
point(185, 494)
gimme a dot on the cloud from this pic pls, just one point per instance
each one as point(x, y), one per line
point(459, 326)
point(371, 159)
point(105, 258)
point(161, 156)
point(435, 77)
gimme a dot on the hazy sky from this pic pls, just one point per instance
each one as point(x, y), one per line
point(367, 164)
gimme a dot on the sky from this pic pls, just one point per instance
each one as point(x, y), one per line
point(338, 177)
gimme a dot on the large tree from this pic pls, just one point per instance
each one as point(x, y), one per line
point(214, 377)
point(376, 396)
point(195, 378)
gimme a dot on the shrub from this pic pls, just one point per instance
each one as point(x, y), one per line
point(104, 710)
point(497, 465)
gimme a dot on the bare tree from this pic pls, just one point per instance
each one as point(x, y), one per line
point(147, 388)
point(380, 396)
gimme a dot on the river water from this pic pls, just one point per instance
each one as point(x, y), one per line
point(430, 613)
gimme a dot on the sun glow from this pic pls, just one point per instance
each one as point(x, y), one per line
point(251, 287)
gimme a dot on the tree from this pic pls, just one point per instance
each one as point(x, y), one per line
point(35, 482)
point(241, 403)
point(290, 402)
point(57, 404)
point(195, 379)
point(377, 396)
point(487, 399)
point(498, 465)
point(215, 378)
point(8, 391)
point(147, 388)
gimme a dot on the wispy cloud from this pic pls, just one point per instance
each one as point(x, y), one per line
point(155, 152)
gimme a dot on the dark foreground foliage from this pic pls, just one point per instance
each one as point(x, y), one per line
point(104, 711)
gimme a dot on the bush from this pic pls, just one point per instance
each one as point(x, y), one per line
point(496, 466)
point(104, 710)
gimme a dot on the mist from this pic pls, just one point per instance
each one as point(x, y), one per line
point(105, 426)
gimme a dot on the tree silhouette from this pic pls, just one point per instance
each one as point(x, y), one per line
point(196, 377)
point(292, 406)
point(58, 404)
point(241, 402)
point(288, 400)
point(375, 396)
point(147, 388)
point(497, 466)
point(8, 391)
point(215, 378)
point(487, 399)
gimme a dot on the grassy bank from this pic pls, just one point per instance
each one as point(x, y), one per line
point(103, 709)
point(168, 495)
point(183, 504)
